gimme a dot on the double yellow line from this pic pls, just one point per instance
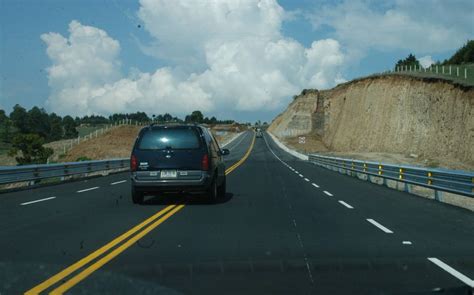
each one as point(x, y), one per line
point(247, 154)
point(147, 226)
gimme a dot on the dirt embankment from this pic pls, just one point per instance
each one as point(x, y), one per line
point(118, 143)
point(388, 118)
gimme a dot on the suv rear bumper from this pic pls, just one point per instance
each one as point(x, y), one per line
point(175, 185)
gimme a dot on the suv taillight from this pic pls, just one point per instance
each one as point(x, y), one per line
point(205, 162)
point(133, 163)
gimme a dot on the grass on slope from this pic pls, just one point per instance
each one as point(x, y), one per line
point(453, 77)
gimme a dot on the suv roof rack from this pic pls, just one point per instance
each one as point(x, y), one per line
point(173, 124)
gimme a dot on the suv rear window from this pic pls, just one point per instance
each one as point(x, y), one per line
point(169, 138)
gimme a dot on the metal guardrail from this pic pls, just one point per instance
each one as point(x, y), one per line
point(453, 181)
point(38, 172)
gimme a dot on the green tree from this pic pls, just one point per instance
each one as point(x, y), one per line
point(38, 122)
point(410, 61)
point(56, 127)
point(3, 116)
point(463, 55)
point(31, 148)
point(69, 125)
point(167, 117)
point(19, 117)
point(5, 125)
point(195, 117)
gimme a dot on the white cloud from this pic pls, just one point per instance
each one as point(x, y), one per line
point(222, 55)
point(420, 26)
point(426, 61)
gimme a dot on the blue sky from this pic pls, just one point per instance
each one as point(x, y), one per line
point(338, 40)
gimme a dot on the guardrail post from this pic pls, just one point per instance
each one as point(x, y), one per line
point(406, 187)
point(365, 170)
point(384, 180)
point(438, 195)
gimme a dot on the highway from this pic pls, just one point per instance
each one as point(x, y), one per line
point(286, 226)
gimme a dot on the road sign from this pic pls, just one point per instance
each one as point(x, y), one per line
point(301, 139)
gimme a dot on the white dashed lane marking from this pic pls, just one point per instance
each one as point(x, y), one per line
point(117, 182)
point(383, 228)
point(314, 184)
point(327, 193)
point(306, 179)
point(463, 278)
point(88, 189)
point(37, 201)
point(345, 204)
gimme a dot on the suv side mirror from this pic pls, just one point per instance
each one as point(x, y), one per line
point(224, 152)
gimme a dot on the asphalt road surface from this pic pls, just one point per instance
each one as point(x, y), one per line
point(285, 227)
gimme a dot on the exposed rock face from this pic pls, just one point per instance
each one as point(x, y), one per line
point(389, 114)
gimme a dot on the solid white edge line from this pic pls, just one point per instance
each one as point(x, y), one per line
point(315, 185)
point(117, 182)
point(463, 278)
point(306, 179)
point(327, 193)
point(36, 201)
point(383, 228)
point(88, 189)
point(345, 204)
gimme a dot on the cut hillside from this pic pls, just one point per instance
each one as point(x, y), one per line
point(391, 118)
point(116, 143)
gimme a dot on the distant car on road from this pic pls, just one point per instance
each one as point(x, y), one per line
point(259, 133)
point(177, 158)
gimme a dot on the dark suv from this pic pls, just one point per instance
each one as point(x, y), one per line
point(177, 158)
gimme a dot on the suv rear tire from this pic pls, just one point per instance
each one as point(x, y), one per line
point(137, 196)
point(212, 192)
point(221, 190)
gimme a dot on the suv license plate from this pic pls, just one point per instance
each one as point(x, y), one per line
point(168, 174)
